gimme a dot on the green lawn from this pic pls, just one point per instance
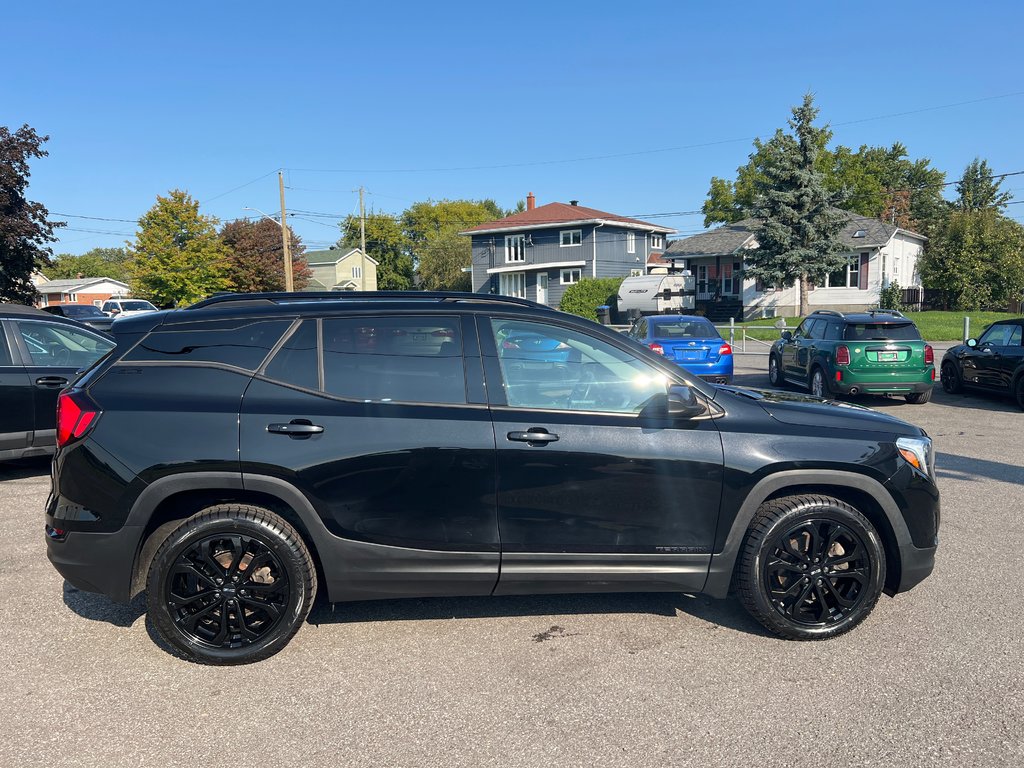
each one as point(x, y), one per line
point(934, 326)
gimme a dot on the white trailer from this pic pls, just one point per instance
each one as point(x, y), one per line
point(657, 294)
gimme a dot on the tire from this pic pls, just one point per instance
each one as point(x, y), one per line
point(775, 372)
point(784, 577)
point(919, 397)
point(817, 384)
point(1018, 392)
point(231, 585)
point(950, 379)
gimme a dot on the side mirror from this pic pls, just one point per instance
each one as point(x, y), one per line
point(787, 336)
point(682, 402)
point(972, 343)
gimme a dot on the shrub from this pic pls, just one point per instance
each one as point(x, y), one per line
point(891, 297)
point(584, 297)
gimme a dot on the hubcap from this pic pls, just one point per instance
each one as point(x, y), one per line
point(817, 573)
point(227, 591)
point(817, 386)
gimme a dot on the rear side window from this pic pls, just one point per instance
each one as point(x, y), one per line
point(385, 359)
point(296, 362)
point(239, 343)
point(882, 332)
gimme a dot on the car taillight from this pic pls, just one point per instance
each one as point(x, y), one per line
point(73, 418)
point(447, 333)
point(929, 355)
point(725, 349)
point(657, 348)
point(509, 345)
point(842, 355)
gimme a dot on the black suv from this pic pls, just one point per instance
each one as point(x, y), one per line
point(232, 458)
point(995, 362)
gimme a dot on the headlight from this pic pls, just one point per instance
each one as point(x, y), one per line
point(917, 452)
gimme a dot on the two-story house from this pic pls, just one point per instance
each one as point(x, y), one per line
point(341, 270)
point(538, 253)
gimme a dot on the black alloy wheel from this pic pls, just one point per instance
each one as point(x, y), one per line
point(812, 567)
point(949, 377)
point(774, 371)
point(231, 585)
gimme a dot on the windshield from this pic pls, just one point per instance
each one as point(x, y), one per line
point(135, 306)
point(882, 332)
point(683, 329)
point(84, 310)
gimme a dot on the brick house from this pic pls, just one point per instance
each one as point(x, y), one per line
point(82, 290)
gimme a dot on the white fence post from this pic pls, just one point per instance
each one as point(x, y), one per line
point(732, 331)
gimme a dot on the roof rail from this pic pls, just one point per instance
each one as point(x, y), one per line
point(893, 312)
point(302, 296)
point(828, 312)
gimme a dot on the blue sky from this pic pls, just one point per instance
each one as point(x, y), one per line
point(139, 98)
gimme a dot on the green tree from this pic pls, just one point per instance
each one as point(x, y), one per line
point(977, 189)
point(25, 228)
point(177, 257)
point(799, 224)
point(441, 261)
point(977, 255)
point(99, 262)
point(385, 242)
point(256, 259)
point(432, 228)
point(585, 296)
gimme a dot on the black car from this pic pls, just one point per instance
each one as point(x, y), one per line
point(39, 355)
point(993, 363)
point(86, 314)
point(233, 458)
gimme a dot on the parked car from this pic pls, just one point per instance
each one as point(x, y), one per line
point(39, 355)
point(880, 352)
point(687, 340)
point(371, 472)
point(127, 307)
point(994, 363)
point(87, 314)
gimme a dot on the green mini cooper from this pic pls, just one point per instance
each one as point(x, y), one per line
point(878, 352)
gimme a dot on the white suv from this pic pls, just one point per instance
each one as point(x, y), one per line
point(126, 307)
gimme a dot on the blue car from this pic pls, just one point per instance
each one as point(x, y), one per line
point(690, 341)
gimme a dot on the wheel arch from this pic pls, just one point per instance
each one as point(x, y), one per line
point(864, 493)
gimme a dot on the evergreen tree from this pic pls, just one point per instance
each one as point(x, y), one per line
point(799, 224)
point(977, 190)
point(177, 257)
point(24, 226)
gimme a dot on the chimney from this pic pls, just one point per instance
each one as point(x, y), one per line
point(574, 202)
point(531, 202)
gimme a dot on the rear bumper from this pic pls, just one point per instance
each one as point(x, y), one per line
point(718, 372)
point(97, 562)
point(880, 385)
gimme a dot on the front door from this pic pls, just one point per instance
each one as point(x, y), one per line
point(376, 426)
point(593, 493)
point(983, 365)
point(542, 287)
point(16, 414)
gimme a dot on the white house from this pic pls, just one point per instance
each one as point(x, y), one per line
point(83, 290)
point(341, 270)
point(879, 254)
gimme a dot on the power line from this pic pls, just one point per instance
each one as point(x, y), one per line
point(240, 186)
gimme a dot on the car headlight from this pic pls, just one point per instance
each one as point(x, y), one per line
point(917, 452)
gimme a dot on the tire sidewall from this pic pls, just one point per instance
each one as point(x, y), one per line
point(186, 535)
point(818, 373)
point(773, 365)
point(950, 383)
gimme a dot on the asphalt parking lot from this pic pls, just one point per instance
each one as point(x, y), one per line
point(935, 677)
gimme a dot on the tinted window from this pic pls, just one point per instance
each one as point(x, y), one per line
point(241, 343)
point(683, 329)
point(804, 330)
point(997, 334)
point(57, 345)
point(85, 310)
point(1015, 336)
point(882, 332)
point(383, 359)
point(551, 367)
point(815, 329)
point(295, 363)
point(135, 306)
point(5, 353)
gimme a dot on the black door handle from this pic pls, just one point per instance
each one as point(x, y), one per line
point(297, 429)
point(534, 436)
point(52, 381)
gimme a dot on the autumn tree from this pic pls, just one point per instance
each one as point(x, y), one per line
point(177, 257)
point(25, 228)
point(387, 244)
point(255, 259)
point(98, 262)
point(798, 217)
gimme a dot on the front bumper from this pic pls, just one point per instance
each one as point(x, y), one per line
point(917, 564)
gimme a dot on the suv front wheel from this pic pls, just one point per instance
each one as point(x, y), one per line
point(812, 567)
point(231, 585)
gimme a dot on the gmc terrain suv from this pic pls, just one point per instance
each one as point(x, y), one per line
point(233, 458)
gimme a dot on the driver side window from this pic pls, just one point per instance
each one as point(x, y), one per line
point(553, 368)
point(60, 346)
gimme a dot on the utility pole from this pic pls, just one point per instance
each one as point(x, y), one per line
point(362, 241)
point(288, 282)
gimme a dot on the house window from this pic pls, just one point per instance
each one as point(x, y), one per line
point(73, 298)
point(515, 248)
point(657, 241)
point(357, 272)
point(570, 237)
point(512, 283)
point(570, 276)
point(845, 277)
point(631, 242)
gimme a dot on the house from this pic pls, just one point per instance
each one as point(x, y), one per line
point(879, 254)
point(341, 270)
point(539, 252)
point(82, 290)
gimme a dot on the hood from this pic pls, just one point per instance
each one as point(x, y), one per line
point(808, 411)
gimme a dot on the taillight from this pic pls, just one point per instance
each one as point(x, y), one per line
point(929, 355)
point(447, 333)
point(842, 355)
point(509, 345)
point(73, 418)
point(725, 349)
point(656, 347)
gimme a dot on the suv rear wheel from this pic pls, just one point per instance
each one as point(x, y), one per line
point(817, 384)
point(231, 585)
point(812, 567)
point(919, 397)
point(774, 371)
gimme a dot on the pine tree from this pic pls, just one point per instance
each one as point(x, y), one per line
point(798, 236)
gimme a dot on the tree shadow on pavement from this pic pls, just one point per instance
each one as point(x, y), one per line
point(22, 469)
point(96, 607)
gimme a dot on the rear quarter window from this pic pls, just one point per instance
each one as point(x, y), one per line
point(238, 343)
point(882, 332)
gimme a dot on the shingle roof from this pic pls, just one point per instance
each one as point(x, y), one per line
point(560, 213)
point(70, 286)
